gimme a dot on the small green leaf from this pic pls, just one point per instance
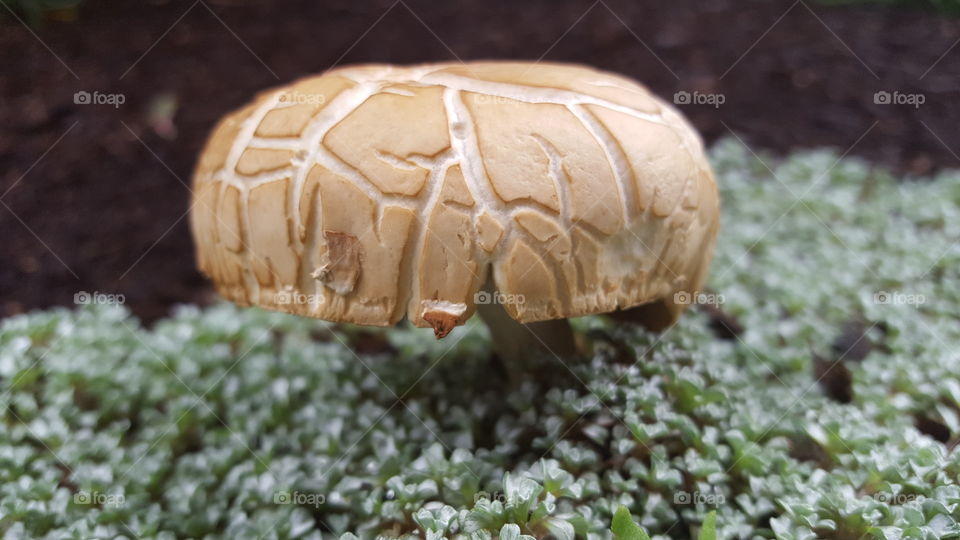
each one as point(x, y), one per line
point(561, 529)
point(624, 528)
point(708, 531)
point(510, 531)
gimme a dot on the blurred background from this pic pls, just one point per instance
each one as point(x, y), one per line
point(104, 105)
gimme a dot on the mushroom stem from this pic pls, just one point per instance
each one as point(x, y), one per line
point(519, 344)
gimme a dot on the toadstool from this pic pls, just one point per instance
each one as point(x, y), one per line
point(530, 192)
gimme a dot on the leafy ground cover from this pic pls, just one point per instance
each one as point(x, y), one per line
point(832, 410)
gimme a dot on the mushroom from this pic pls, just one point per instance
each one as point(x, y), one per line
point(527, 192)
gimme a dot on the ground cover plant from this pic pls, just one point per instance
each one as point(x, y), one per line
point(819, 397)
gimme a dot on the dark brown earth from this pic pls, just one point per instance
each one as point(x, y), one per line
point(94, 196)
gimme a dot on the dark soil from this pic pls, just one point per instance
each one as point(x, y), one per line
point(94, 197)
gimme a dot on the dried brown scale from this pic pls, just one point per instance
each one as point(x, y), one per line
point(370, 193)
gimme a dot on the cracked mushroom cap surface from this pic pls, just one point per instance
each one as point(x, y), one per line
point(374, 192)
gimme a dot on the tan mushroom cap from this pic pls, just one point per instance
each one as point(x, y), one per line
point(374, 192)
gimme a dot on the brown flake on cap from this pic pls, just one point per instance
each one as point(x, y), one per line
point(341, 262)
point(442, 316)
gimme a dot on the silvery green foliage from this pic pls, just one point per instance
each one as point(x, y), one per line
point(238, 423)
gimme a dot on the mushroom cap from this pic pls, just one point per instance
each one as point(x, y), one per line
point(374, 192)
